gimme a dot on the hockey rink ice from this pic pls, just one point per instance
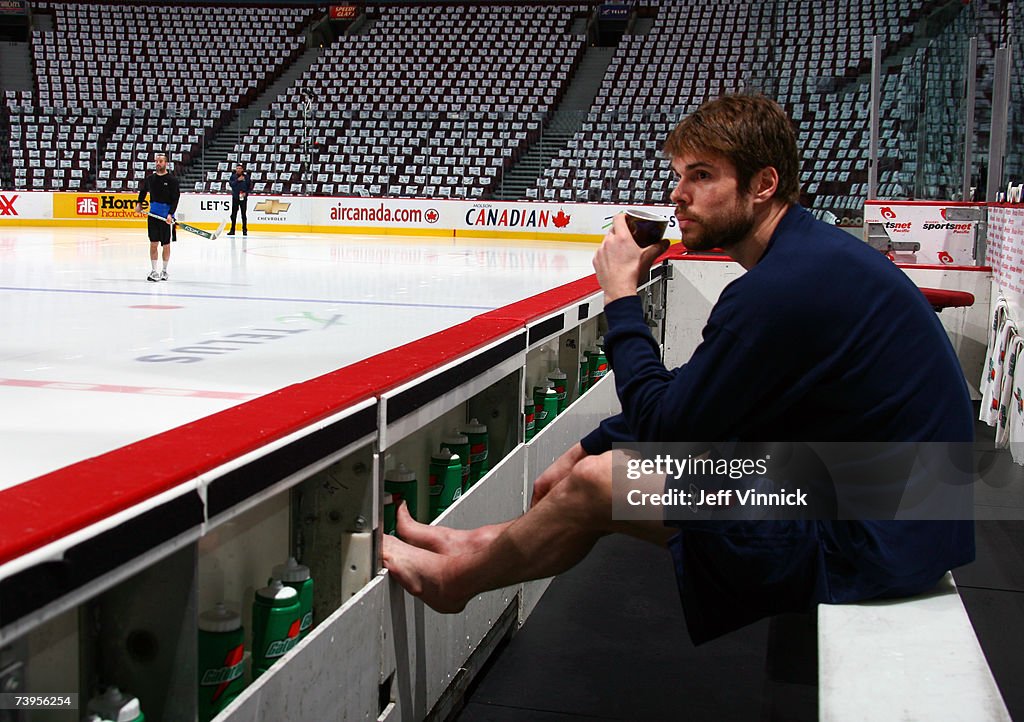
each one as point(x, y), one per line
point(94, 356)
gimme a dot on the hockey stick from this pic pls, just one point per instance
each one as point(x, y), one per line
point(197, 231)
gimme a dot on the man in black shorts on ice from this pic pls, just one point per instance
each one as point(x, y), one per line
point(164, 192)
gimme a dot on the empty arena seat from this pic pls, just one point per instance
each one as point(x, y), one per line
point(91, 97)
point(424, 85)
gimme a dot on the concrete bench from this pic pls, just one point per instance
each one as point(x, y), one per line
point(904, 659)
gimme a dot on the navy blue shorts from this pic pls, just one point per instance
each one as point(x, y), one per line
point(733, 573)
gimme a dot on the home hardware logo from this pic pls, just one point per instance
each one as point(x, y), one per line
point(105, 206)
point(272, 206)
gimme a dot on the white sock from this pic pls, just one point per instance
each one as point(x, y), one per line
point(154, 266)
point(165, 265)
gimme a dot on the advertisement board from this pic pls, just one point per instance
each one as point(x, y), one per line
point(97, 207)
point(344, 12)
point(22, 208)
point(13, 7)
point(921, 233)
point(1006, 255)
point(371, 216)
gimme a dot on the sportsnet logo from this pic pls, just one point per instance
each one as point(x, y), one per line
point(86, 206)
point(961, 228)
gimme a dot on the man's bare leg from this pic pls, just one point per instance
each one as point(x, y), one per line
point(550, 538)
point(443, 540)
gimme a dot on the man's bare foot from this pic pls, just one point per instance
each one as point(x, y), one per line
point(422, 574)
point(442, 540)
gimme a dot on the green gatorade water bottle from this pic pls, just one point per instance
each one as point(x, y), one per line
point(557, 378)
point(545, 405)
point(529, 419)
point(390, 514)
point(116, 706)
point(297, 577)
point(445, 481)
point(477, 434)
point(458, 443)
point(598, 363)
point(401, 483)
point(221, 660)
point(540, 409)
point(584, 372)
point(276, 622)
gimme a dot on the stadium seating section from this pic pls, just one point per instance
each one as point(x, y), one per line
point(442, 100)
point(116, 82)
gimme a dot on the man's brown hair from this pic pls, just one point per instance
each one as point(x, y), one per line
point(751, 131)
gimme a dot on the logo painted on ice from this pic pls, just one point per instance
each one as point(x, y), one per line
point(310, 316)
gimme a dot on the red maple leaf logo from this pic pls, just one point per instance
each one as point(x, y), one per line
point(431, 216)
point(561, 220)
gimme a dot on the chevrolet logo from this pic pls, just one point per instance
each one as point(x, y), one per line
point(272, 207)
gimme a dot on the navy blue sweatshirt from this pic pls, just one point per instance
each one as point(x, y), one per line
point(240, 185)
point(824, 339)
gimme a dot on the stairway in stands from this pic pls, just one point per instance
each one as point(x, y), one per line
point(6, 174)
point(564, 123)
point(221, 147)
point(15, 74)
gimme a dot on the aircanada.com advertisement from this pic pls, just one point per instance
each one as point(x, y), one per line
point(572, 221)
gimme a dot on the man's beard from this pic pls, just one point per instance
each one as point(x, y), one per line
point(723, 231)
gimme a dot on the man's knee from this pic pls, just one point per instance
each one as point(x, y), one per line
point(588, 487)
